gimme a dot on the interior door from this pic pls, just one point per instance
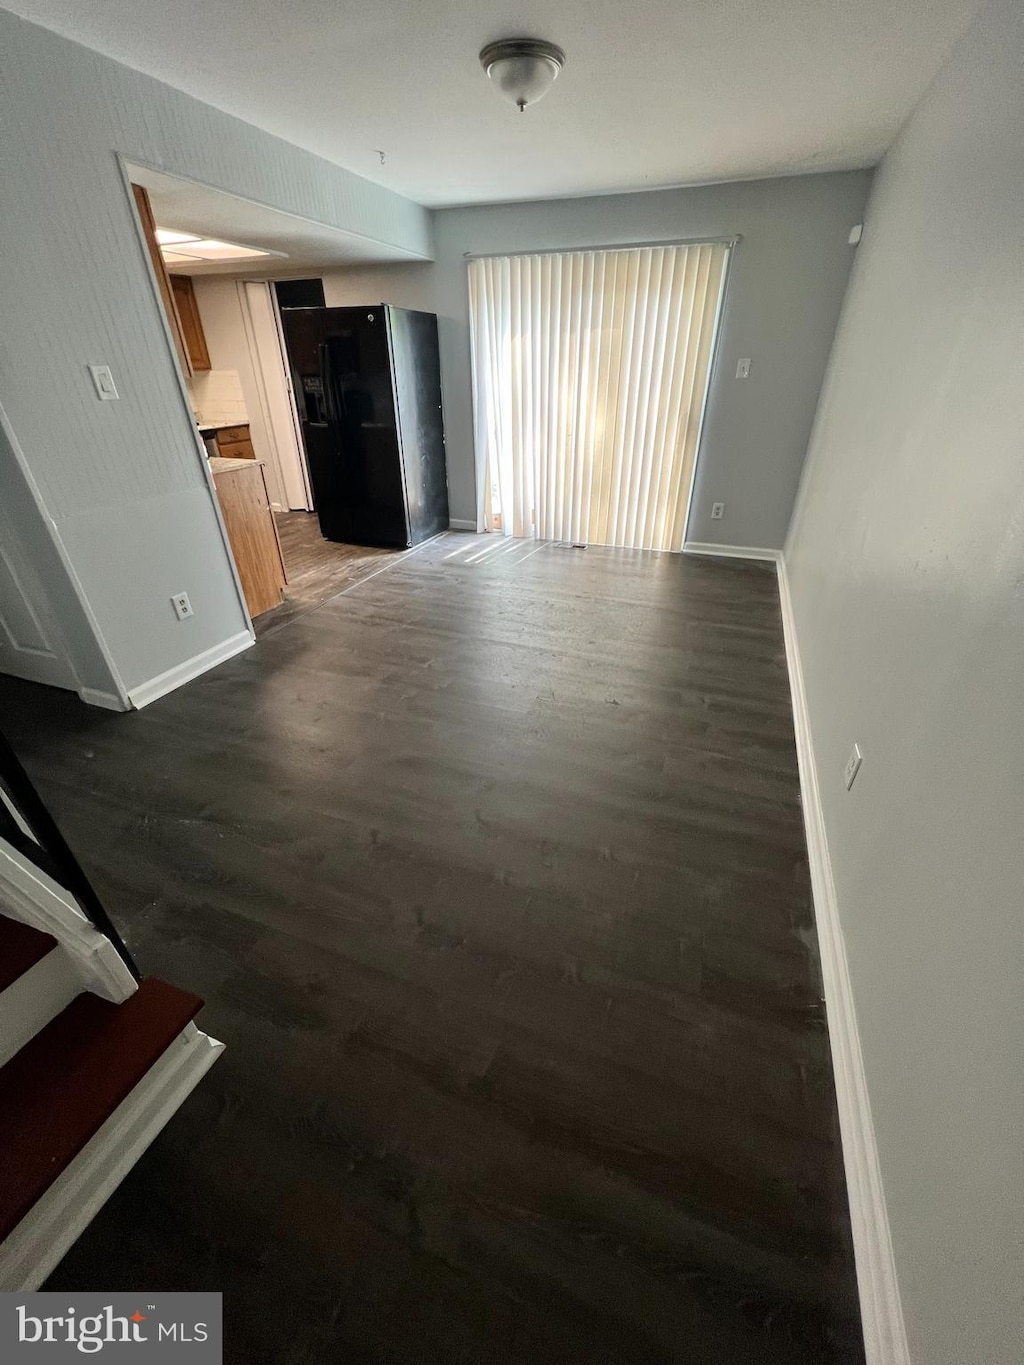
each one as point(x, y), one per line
point(30, 645)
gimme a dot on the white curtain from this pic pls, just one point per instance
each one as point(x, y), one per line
point(590, 371)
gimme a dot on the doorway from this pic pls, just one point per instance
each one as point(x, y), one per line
point(214, 263)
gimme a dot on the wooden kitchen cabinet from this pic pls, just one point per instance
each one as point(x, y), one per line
point(191, 324)
point(163, 279)
point(245, 507)
point(234, 443)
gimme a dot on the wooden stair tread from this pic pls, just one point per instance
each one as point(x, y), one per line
point(60, 1088)
point(21, 947)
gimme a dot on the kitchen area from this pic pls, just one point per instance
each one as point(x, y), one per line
point(322, 426)
point(222, 421)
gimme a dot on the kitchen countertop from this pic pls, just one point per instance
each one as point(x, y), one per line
point(219, 465)
point(211, 428)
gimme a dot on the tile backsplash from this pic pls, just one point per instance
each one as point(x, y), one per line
point(217, 398)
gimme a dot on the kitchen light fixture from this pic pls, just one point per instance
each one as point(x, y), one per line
point(178, 247)
point(523, 69)
point(168, 237)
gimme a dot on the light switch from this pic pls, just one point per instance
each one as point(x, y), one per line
point(856, 233)
point(103, 382)
point(742, 369)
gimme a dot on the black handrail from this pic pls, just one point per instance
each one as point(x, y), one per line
point(47, 849)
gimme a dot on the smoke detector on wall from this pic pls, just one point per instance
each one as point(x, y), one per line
point(523, 69)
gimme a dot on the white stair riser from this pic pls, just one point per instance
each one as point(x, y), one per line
point(80, 1191)
point(28, 1004)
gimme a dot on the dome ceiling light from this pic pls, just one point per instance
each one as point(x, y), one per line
point(523, 69)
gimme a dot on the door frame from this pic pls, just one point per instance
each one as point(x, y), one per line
point(270, 364)
point(123, 164)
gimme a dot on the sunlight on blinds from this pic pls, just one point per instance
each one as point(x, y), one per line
point(590, 370)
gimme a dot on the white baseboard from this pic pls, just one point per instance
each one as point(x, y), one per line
point(460, 524)
point(192, 668)
point(885, 1339)
point(29, 895)
point(60, 1217)
point(699, 547)
point(110, 701)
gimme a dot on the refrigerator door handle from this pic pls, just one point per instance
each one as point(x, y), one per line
point(333, 394)
point(326, 386)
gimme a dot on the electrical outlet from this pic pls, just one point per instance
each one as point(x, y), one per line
point(742, 369)
point(717, 511)
point(182, 606)
point(852, 766)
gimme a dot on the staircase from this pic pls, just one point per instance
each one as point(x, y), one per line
point(93, 1061)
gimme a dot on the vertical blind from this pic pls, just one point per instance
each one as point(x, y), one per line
point(590, 372)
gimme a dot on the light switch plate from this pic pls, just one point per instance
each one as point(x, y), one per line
point(856, 232)
point(742, 369)
point(103, 382)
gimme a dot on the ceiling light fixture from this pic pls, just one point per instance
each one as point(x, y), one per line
point(169, 237)
point(523, 69)
point(177, 247)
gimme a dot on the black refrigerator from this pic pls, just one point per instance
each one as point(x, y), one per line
point(367, 387)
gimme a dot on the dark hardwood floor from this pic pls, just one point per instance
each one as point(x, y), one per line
point(317, 569)
point(492, 874)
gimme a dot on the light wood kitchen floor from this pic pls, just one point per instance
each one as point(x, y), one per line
point(317, 569)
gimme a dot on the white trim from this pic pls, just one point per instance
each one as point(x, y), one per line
point(29, 895)
point(46, 1232)
point(123, 164)
point(94, 697)
point(38, 995)
point(184, 672)
point(461, 524)
point(698, 547)
point(885, 1340)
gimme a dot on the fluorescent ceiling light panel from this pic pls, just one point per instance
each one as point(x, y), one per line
point(176, 247)
point(209, 250)
point(168, 237)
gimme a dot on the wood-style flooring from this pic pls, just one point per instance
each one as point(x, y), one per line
point(492, 874)
point(317, 569)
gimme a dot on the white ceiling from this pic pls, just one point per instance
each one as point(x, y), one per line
point(191, 207)
point(654, 92)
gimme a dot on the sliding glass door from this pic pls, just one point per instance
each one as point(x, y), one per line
point(590, 374)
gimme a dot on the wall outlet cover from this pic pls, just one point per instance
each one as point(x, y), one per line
point(182, 606)
point(717, 511)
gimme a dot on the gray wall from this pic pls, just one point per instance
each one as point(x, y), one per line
point(121, 485)
point(906, 560)
point(786, 286)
